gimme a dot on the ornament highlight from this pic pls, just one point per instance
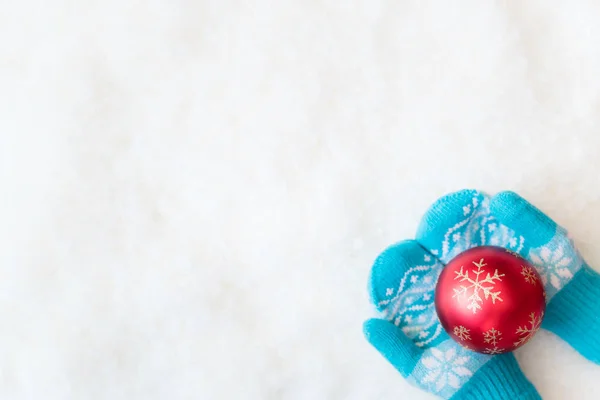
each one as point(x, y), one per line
point(490, 300)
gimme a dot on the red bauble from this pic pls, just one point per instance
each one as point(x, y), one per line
point(490, 300)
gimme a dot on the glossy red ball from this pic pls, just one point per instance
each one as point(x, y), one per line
point(490, 300)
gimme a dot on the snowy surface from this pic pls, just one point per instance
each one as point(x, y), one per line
point(193, 191)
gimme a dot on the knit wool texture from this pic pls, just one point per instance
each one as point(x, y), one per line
point(404, 275)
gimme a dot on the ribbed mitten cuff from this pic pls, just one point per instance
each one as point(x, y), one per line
point(500, 378)
point(574, 314)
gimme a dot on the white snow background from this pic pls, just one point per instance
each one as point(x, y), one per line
point(193, 191)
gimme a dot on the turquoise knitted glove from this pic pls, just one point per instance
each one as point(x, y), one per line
point(469, 218)
point(410, 337)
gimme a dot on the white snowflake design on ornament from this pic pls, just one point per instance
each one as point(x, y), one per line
point(492, 337)
point(462, 333)
point(475, 286)
point(493, 351)
point(530, 329)
point(412, 308)
point(514, 253)
point(529, 275)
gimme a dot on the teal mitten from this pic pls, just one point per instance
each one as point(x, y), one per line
point(410, 337)
point(469, 218)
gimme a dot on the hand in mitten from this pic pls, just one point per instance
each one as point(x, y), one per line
point(410, 337)
point(469, 218)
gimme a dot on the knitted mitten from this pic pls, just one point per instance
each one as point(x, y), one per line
point(410, 337)
point(469, 218)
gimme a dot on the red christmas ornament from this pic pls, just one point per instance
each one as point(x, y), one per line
point(490, 300)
